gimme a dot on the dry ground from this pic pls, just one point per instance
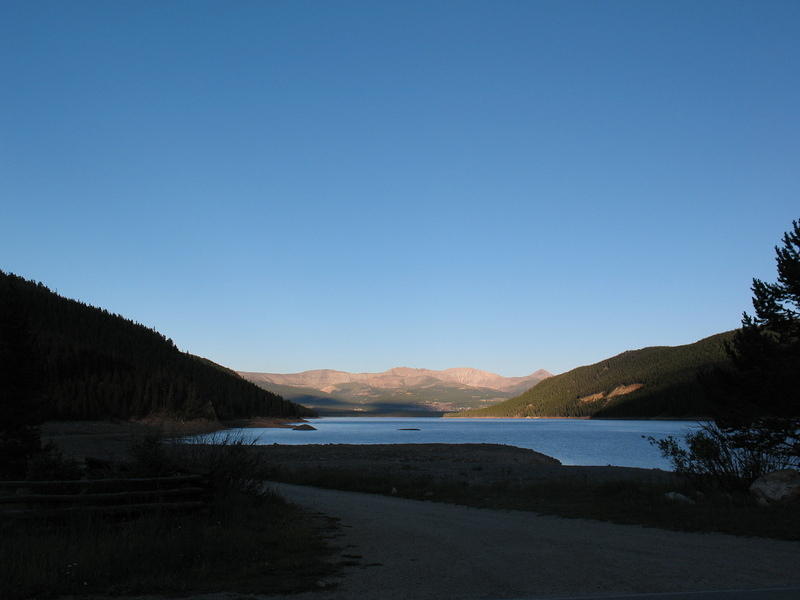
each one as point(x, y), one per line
point(412, 549)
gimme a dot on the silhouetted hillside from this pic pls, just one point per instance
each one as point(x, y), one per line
point(86, 363)
point(661, 381)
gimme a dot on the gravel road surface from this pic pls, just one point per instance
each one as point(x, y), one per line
point(407, 549)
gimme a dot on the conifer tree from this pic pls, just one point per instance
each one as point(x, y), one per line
point(758, 402)
point(756, 397)
point(19, 393)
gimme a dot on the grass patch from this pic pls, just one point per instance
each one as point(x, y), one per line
point(243, 544)
point(622, 502)
point(247, 541)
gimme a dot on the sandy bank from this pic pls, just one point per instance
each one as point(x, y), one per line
point(465, 464)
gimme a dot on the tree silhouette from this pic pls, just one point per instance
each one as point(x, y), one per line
point(20, 412)
point(756, 396)
point(757, 403)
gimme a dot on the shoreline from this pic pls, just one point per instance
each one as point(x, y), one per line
point(264, 423)
point(112, 440)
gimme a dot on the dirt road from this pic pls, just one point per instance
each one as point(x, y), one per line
point(404, 549)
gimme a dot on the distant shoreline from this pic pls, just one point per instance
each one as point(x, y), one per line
point(458, 416)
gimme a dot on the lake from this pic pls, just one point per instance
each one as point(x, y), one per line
point(572, 441)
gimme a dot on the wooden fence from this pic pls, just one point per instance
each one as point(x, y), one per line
point(122, 497)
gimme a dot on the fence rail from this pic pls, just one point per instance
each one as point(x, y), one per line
point(32, 499)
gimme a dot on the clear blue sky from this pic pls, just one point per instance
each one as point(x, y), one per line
point(282, 186)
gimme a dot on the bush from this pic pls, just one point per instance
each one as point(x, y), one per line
point(51, 464)
point(151, 457)
point(708, 457)
point(230, 462)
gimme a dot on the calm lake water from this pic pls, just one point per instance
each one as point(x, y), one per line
point(572, 441)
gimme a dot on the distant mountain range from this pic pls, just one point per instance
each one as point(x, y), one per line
point(398, 391)
point(659, 381)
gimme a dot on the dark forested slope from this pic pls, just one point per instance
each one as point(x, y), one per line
point(661, 381)
point(85, 363)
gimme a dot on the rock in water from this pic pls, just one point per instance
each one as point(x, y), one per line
point(775, 487)
point(304, 427)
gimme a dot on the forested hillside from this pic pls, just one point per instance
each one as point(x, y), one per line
point(660, 381)
point(80, 362)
